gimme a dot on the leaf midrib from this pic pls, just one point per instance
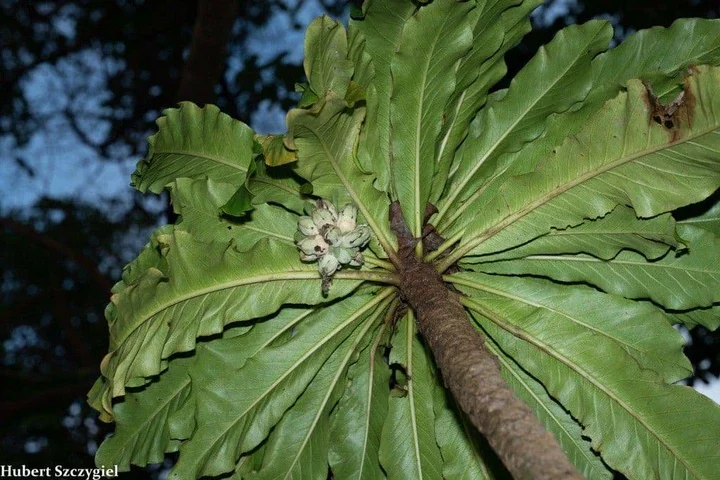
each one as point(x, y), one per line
point(361, 205)
point(635, 263)
point(203, 156)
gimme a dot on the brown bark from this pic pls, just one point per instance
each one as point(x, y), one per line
point(472, 373)
point(206, 61)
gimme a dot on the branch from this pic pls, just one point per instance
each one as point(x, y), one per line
point(472, 373)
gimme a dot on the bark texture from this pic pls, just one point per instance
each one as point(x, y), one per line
point(472, 373)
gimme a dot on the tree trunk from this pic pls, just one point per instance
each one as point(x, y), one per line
point(472, 373)
point(206, 61)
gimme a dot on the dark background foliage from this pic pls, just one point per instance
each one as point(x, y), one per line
point(81, 83)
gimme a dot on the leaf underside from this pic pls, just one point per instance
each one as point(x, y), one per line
point(556, 200)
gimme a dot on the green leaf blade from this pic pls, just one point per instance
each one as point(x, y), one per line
point(625, 158)
point(325, 143)
point(670, 431)
point(281, 371)
point(551, 82)
point(677, 281)
point(357, 425)
point(161, 315)
point(299, 445)
point(641, 331)
point(195, 142)
point(434, 39)
point(408, 447)
point(382, 28)
point(603, 238)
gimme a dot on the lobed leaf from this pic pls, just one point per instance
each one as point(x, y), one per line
point(621, 156)
point(195, 142)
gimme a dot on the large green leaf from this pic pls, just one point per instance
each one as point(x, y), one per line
point(679, 280)
point(603, 238)
point(150, 419)
point(641, 426)
point(499, 26)
point(381, 28)
point(195, 142)
point(641, 331)
point(553, 81)
point(207, 286)
point(408, 448)
point(198, 203)
point(325, 142)
point(621, 156)
point(326, 63)
point(432, 42)
point(357, 423)
point(657, 54)
point(298, 446)
point(142, 434)
point(245, 399)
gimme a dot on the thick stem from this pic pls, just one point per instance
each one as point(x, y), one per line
point(473, 376)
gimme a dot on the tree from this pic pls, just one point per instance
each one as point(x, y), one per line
point(526, 232)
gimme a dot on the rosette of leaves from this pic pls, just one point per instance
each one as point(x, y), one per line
point(550, 219)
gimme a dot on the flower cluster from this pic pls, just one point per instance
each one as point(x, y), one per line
point(333, 239)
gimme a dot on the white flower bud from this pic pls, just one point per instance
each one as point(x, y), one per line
point(322, 217)
point(315, 245)
point(328, 265)
point(308, 258)
point(333, 235)
point(357, 238)
point(328, 206)
point(344, 255)
point(347, 218)
point(307, 227)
